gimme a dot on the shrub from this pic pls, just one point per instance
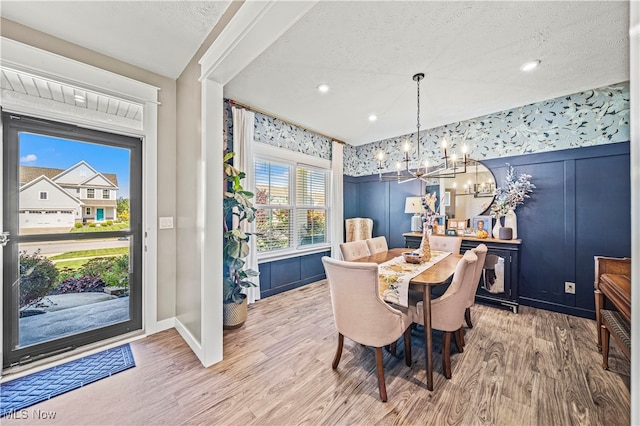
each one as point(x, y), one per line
point(109, 223)
point(95, 275)
point(80, 285)
point(92, 225)
point(38, 276)
point(78, 225)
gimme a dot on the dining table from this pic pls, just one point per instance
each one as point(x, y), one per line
point(437, 274)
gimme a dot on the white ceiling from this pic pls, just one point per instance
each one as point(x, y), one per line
point(368, 52)
point(160, 36)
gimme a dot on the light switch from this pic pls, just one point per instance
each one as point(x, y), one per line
point(166, 222)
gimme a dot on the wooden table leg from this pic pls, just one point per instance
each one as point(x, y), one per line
point(428, 338)
point(599, 305)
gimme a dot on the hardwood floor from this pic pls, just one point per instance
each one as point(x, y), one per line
point(531, 368)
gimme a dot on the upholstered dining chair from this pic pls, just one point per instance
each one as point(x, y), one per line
point(481, 252)
point(447, 311)
point(360, 313)
point(377, 245)
point(443, 243)
point(354, 250)
point(439, 243)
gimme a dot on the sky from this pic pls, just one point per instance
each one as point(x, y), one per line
point(45, 151)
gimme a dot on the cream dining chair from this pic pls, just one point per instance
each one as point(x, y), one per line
point(443, 243)
point(377, 245)
point(481, 252)
point(439, 243)
point(447, 311)
point(354, 250)
point(361, 315)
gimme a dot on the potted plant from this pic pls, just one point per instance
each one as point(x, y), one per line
point(237, 209)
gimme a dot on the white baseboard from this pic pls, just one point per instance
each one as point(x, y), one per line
point(191, 341)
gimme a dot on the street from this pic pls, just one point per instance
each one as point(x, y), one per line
point(57, 247)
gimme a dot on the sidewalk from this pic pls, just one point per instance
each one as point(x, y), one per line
point(58, 323)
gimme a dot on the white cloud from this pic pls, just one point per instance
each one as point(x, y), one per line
point(29, 158)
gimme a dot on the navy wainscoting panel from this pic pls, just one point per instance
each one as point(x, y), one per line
point(580, 208)
point(350, 195)
point(383, 202)
point(287, 274)
point(399, 221)
point(373, 202)
point(603, 217)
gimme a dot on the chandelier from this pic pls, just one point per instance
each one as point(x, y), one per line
point(450, 166)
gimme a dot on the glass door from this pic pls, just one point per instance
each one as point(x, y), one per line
point(72, 266)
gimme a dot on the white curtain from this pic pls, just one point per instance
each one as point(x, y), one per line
point(243, 122)
point(337, 201)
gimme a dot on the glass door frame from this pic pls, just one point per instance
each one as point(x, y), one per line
point(12, 125)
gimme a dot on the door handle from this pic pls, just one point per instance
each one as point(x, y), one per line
point(4, 239)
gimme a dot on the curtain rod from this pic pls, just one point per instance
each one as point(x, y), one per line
point(232, 102)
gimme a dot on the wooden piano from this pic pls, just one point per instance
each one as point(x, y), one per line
point(612, 287)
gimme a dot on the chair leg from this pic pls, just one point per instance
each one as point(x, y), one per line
point(604, 337)
point(393, 349)
point(446, 355)
point(459, 339)
point(407, 346)
point(467, 317)
point(381, 386)
point(336, 360)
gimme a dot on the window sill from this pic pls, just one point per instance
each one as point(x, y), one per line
point(288, 254)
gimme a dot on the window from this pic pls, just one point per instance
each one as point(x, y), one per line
point(44, 195)
point(292, 205)
point(105, 194)
point(88, 211)
point(91, 193)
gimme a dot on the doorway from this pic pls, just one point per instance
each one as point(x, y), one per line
point(69, 278)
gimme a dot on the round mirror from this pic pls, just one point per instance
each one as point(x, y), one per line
point(468, 194)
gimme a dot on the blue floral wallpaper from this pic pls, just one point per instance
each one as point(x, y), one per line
point(593, 117)
point(278, 133)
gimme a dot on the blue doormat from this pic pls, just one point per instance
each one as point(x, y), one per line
point(37, 387)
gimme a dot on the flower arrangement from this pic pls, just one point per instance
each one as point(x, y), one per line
point(430, 209)
point(513, 194)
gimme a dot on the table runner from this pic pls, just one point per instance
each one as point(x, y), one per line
point(395, 274)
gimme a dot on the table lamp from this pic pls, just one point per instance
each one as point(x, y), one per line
point(414, 205)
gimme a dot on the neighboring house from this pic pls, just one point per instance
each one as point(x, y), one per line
point(57, 198)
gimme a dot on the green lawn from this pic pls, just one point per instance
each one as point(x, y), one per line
point(114, 227)
point(71, 264)
point(116, 251)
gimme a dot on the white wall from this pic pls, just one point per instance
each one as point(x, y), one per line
point(166, 141)
point(634, 49)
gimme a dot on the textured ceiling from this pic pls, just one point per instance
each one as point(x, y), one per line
point(367, 52)
point(159, 36)
point(470, 52)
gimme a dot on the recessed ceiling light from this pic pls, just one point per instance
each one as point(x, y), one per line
point(373, 117)
point(323, 88)
point(79, 98)
point(528, 66)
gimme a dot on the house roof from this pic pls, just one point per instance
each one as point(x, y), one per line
point(53, 185)
point(29, 173)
